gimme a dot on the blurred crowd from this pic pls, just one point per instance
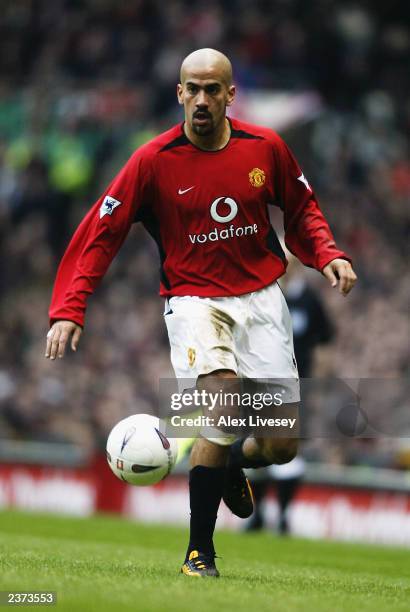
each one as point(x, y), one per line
point(85, 82)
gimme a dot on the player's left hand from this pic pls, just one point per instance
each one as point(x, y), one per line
point(340, 274)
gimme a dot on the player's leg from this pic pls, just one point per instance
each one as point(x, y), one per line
point(202, 346)
point(206, 484)
point(237, 491)
point(210, 480)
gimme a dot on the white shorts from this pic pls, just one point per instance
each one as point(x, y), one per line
point(250, 334)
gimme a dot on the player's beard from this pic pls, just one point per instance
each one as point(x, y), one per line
point(206, 128)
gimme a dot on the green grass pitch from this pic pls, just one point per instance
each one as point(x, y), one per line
point(107, 564)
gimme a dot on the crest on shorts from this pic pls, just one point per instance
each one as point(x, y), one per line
point(191, 357)
point(257, 177)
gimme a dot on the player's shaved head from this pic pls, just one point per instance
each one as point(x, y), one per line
point(208, 64)
point(205, 91)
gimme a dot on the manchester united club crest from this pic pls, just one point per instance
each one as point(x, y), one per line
point(257, 177)
point(191, 357)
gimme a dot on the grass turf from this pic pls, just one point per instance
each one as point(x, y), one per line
point(107, 564)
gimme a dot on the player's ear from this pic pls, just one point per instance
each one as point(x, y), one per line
point(179, 93)
point(231, 95)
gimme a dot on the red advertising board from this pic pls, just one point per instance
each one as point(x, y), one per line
point(319, 511)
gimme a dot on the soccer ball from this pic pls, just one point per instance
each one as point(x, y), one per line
point(137, 451)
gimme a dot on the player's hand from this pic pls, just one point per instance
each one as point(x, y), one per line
point(58, 336)
point(340, 274)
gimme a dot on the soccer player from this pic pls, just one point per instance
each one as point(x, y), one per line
point(202, 191)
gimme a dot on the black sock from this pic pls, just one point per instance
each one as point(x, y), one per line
point(237, 458)
point(205, 493)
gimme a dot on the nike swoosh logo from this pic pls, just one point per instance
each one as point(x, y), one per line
point(182, 191)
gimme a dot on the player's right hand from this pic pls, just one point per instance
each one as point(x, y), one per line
point(58, 336)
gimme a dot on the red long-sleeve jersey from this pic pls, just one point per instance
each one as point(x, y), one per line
point(207, 212)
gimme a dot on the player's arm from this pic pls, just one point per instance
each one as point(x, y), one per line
point(307, 233)
point(90, 252)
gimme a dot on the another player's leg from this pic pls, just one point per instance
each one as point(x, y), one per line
point(286, 489)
